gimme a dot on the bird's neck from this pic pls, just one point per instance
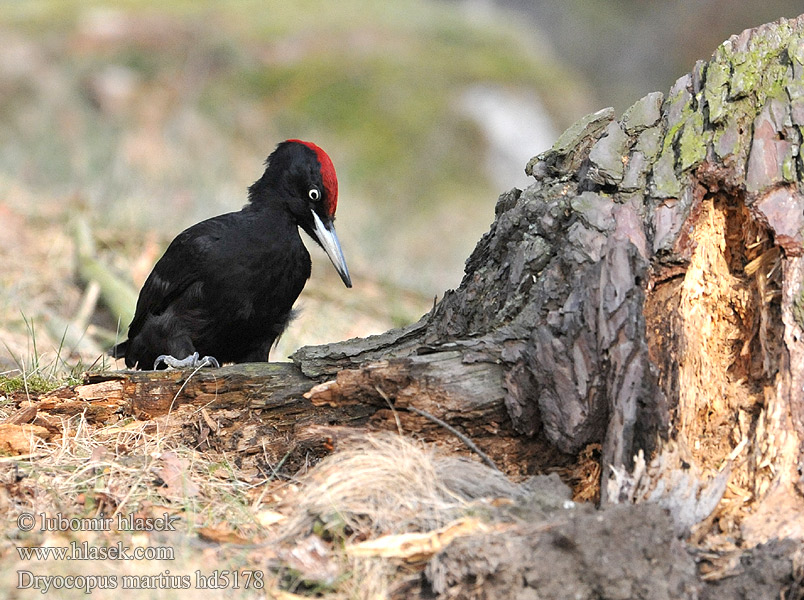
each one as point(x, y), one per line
point(270, 217)
point(275, 212)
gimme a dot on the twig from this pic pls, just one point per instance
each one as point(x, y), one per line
point(391, 406)
point(173, 402)
point(275, 470)
point(469, 443)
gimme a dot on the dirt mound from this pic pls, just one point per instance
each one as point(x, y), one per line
point(624, 552)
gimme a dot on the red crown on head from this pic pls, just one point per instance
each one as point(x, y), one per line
point(327, 176)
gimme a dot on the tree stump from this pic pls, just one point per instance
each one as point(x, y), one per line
point(641, 302)
point(645, 294)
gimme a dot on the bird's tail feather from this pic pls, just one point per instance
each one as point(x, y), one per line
point(119, 350)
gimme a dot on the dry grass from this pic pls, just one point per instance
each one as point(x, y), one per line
point(132, 469)
point(389, 484)
point(86, 470)
point(293, 531)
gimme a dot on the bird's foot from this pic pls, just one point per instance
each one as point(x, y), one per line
point(191, 362)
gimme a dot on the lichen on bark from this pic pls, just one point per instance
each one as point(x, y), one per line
point(614, 206)
point(595, 286)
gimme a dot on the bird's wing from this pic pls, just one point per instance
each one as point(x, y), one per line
point(180, 267)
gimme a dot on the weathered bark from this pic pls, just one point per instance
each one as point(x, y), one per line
point(646, 289)
point(644, 295)
point(273, 409)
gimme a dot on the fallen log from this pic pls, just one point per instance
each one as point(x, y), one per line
point(643, 296)
point(274, 409)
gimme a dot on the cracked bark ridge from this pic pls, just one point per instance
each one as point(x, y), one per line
point(574, 290)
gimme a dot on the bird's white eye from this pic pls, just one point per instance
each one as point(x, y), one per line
point(314, 194)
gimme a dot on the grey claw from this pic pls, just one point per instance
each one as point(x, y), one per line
point(191, 361)
point(208, 361)
point(165, 358)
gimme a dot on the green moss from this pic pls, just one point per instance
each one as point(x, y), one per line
point(716, 89)
point(692, 143)
point(760, 69)
point(678, 109)
point(741, 79)
point(665, 182)
point(33, 384)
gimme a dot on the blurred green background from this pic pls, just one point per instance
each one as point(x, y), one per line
point(138, 118)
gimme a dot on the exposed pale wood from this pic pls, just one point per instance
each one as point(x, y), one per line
point(647, 287)
point(643, 295)
point(21, 439)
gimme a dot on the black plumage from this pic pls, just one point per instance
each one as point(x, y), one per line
point(225, 287)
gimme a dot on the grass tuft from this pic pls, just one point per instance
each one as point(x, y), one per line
point(36, 376)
